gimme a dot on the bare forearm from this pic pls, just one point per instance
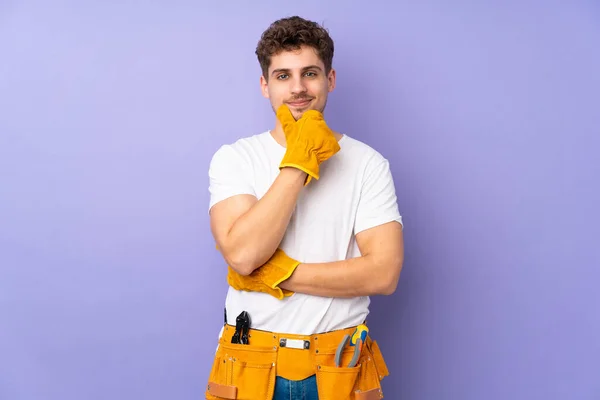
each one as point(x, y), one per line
point(255, 236)
point(361, 276)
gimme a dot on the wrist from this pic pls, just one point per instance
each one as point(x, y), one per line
point(295, 174)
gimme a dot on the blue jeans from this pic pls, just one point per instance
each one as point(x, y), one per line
point(296, 390)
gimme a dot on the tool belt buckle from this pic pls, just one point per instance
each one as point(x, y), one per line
point(294, 344)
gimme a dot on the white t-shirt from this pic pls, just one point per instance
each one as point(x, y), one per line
point(355, 192)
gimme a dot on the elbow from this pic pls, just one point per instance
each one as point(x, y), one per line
point(242, 259)
point(390, 277)
point(241, 266)
point(242, 269)
point(242, 262)
point(389, 288)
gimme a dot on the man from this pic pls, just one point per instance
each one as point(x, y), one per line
point(307, 220)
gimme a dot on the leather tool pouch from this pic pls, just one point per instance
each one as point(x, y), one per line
point(242, 372)
point(362, 382)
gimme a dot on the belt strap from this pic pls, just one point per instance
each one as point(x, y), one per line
point(314, 342)
point(297, 355)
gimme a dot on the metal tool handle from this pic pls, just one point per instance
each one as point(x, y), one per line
point(340, 349)
point(356, 355)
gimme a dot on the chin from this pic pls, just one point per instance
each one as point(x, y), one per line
point(302, 110)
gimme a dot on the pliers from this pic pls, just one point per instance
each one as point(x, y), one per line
point(356, 340)
point(242, 327)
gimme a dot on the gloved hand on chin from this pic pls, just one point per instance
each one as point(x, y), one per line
point(309, 141)
point(267, 277)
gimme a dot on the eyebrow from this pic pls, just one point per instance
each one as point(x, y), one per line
point(276, 71)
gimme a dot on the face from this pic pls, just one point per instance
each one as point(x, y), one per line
point(297, 78)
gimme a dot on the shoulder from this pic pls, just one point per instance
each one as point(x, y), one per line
point(361, 153)
point(240, 150)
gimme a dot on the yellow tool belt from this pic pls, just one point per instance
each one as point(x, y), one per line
point(248, 371)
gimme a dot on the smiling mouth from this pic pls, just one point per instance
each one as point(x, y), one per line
point(299, 103)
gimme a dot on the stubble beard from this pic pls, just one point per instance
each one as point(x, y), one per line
point(297, 117)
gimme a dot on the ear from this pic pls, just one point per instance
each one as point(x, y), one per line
point(331, 80)
point(264, 87)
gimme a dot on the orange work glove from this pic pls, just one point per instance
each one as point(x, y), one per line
point(309, 141)
point(267, 277)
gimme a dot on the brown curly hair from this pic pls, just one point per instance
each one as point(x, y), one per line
point(289, 34)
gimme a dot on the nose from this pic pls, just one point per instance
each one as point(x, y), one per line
point(297, 85)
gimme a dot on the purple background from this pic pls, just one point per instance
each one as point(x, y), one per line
point(110, 285)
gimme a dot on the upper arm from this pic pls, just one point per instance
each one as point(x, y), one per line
point(224, 214)
point(378, 227)
point(384, 243)
point(384, 246)
point(231, 192)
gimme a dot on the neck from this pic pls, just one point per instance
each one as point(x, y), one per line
point(279, 135)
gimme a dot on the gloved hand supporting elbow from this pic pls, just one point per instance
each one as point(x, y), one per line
point(267, 277)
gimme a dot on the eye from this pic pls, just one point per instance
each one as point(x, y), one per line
point(282, 76)
point(311, 74)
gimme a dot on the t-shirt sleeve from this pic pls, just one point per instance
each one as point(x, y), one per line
point(378, 201)
point(229, 175)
